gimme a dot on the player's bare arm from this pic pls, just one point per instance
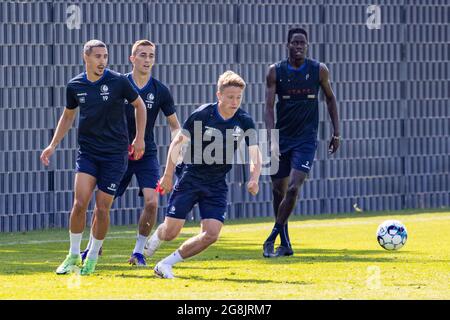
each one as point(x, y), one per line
point(64, 124)
point(166, 182)
point(269, 116)
point(174, 125)
point(255, 169)
point(331, 105)
point(141, 121)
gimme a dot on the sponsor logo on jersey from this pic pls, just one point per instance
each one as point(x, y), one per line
point(306, 165)
point(210, 130)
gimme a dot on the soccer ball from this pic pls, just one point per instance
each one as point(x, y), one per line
point(392, 235)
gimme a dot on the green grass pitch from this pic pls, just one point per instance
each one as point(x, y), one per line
point(336, 257)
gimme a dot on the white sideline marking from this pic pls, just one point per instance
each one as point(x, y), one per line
point(233, 229)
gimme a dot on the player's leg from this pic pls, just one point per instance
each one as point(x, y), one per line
point(111, 171)
point(147, 174)
point(279, 187)
point(85, 252)
point(148, 217)
point(103, 203)
point(212, 201)
point(302, 158)
point(120, 191)
point(146, 222)
point(84, 187)
point(210, 231)
point(167, 231)
point(296, 180)
point(209, 234)
point(181, 202)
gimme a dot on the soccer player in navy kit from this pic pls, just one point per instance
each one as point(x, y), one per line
point(156, 97)
point(296, 81)
point(202, 180)
point(102, 158)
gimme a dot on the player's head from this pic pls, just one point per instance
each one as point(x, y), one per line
point(230, 88)
point(95, 55)
point(297, 43)
point(143, 56)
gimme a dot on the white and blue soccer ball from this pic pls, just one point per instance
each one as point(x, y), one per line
point(392, 234)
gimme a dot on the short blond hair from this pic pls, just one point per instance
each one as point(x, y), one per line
point(230, 79)
point(141, 43)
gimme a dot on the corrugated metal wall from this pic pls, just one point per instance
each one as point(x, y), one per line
point(392, 86)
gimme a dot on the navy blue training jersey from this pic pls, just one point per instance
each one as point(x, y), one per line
point(156, 97)
point(102, 127)
point(298, 103)
point(212, 124)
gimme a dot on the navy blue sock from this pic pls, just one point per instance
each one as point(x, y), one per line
point(275, 231)
point(284, 236)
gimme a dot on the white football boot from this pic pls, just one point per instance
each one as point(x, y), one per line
point(163, 270)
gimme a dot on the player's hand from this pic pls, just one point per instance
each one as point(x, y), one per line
point(46, 154)
point(165, 184)
point(334, 144)
point(138, 149)
point(253, 187)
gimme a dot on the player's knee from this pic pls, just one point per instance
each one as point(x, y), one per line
point(292, 192)
point(169, 234)
point(102, 212)
point(150, 206)
point(210, 237)
point(80, 206)
point(278, 193)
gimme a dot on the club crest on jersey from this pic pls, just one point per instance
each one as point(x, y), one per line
point(150, 100)
point(104, 92)
point(237, 132)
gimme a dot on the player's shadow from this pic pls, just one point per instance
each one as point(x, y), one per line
point(226, 279)
point(240, 280)
point(311, 255)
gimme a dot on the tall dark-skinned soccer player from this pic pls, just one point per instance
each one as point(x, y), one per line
point(295, 81)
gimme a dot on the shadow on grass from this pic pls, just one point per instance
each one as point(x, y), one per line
point(33, 264)
point(225, 279)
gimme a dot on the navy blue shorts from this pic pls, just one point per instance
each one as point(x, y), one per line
point(107, 169)
point(299, 156)
point(211, 199)
point(146, 171)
